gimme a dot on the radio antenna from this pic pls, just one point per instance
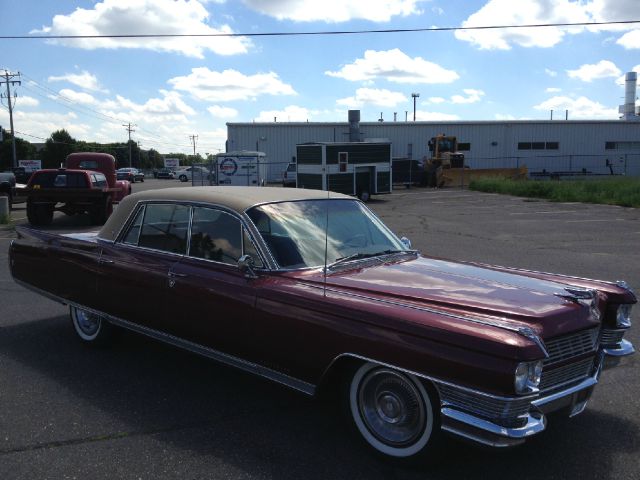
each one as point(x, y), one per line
point(326, 238)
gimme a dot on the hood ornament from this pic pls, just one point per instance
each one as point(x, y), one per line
point(582, 296)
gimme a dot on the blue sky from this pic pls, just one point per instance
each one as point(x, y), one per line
point(176, 87)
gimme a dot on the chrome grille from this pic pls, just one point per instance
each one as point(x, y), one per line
point(610, 337)
point(503, 411)
point(568, 346)
point(559, 377)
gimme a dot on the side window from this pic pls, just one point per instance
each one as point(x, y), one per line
point(100, 180)
point(131, 238)
point(215, 235)
point(165, 228)
point(250, 249)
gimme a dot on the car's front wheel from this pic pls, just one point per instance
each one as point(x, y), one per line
point(393, 411)
point(91, 328)
point(183, 178)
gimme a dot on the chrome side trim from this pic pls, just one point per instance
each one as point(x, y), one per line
point(522, 330)
point(221, 357)
point(436, 381)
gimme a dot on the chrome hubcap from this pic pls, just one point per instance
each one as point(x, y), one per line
point(87, 322)
point(391, 407)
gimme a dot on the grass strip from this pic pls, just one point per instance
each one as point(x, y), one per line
point(622, 191)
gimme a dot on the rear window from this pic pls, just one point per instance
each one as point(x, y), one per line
point(60, 179)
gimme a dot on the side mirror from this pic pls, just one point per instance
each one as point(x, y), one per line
point(406, 242)
point(247, 266)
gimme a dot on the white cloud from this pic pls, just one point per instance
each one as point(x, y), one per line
point(170, 108)
point(42, 124)
point(590, 72)
point(77, 97)
point(222, 112)
point(435, 100)
point(333, 11)
point(425, 116)
point(230, 85)
point(394, 66)
point(580, 108)
point(553, 90)
point(523, 12)
point(292, 113)
point(85, 80)
point(372, 96)
point(501, 116)
point(472, 96)
point(630, 40)
point(26, 101)
point(551, 73)
point(115, 17)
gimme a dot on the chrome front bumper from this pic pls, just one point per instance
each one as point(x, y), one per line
point(475, 428)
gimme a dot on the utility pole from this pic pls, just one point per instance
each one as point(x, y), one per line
point(129, 128)
point(8, 78)
point(193, 138)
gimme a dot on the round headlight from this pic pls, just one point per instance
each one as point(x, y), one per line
point(527, 376)
point(522, 375)
point(623, 316)
point(535, 373)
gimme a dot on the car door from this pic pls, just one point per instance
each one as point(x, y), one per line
point(210, 301)
point(134, 274)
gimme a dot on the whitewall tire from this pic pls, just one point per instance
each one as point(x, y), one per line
point(392, 411)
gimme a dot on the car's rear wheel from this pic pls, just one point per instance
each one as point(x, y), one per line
point(102, 211)
point(39, 214)
point(393, 412)
point(91, 328)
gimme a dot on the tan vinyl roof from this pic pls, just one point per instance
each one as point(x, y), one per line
point(235, 198)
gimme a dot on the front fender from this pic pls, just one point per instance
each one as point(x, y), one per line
point(124, 189)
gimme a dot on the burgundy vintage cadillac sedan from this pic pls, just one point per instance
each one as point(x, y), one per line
point(310, 289)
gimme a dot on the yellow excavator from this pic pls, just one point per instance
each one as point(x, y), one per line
point(446, 167)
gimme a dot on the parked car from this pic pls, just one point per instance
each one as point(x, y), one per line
point(289, 176)
point(132, 174)
point(165, 173)
point(311, 290)
point(23, 174)
point(187, 174)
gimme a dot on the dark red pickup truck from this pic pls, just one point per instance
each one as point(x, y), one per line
point(88, 184)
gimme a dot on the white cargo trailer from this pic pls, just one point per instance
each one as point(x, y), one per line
point(243, 168)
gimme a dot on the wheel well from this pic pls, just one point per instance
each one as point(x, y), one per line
point(334, 376)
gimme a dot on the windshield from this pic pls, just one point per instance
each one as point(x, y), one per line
point(295, 231)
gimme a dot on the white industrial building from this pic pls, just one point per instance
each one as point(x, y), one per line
point(593, 147)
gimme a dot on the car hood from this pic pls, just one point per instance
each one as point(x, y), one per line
point(469, 290)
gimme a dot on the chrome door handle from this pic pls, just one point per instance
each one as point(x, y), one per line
point(102, 260)
point(174, 275)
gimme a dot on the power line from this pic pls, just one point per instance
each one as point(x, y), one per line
point(321, 32)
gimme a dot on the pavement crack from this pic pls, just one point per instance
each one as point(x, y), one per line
point(99, 438)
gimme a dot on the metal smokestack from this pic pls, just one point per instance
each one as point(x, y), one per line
point(628, 110)
point(354, 125)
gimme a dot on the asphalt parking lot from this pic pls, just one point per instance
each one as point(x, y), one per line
point(143, 410)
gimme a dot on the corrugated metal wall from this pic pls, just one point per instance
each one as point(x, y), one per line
point(581, 144)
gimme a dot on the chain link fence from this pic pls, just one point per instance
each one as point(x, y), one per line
point(410, 171)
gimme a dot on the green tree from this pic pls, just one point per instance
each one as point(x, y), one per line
point(24, 151)
point(57, 147)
